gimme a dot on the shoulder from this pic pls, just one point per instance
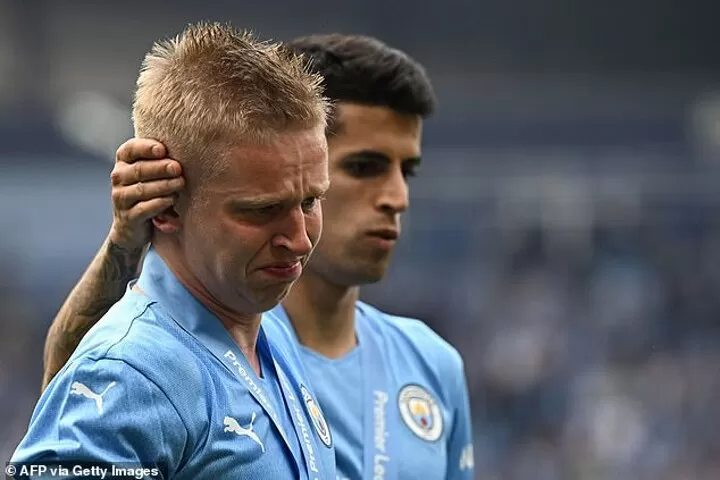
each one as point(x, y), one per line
point(137, 332)
point(279, 334)
point(414, 337)
point(276, 327)
point(103, 409)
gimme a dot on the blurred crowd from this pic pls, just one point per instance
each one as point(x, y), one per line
point(604, 368)
point(21, 338)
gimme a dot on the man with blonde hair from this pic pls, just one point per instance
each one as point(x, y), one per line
point(180, 374)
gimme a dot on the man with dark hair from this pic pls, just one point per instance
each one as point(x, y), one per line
point(393, 391)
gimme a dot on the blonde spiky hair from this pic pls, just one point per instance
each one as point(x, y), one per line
point(213, 85)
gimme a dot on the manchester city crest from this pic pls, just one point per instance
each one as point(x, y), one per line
point(420, 412)
point(321, 426)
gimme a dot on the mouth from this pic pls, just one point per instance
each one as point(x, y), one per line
point(284, 270)
point(383, 239)
point(389, 234)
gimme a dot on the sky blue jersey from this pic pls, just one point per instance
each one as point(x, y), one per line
point(159, 381)
point(398, 404)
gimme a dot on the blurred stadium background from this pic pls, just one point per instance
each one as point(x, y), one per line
point(564, 231)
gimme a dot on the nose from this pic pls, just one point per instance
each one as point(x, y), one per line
point(293, 235)
point(394, 197)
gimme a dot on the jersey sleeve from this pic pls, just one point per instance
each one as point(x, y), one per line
point(103, 411)
point(461, 462)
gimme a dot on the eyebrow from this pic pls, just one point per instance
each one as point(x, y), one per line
point(381, 157)
point(262, 201)
point(248, 203)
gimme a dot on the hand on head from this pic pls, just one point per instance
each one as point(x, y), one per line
point(144, 184)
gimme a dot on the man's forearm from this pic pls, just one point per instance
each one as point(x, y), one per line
point(102, 284)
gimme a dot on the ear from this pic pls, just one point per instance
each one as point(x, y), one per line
point(168, 221)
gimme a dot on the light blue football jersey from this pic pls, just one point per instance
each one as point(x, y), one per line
point(159, 380)
point(398, 404)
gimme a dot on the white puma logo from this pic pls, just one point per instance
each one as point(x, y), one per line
point(231, 425)
point(80, 389)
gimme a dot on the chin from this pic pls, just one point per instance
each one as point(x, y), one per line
point(369, 279)
point(367, 275)
point(352, 271)
point(259, 300)
point(269, 300)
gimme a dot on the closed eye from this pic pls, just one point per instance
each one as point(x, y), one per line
point(368, 164)
point(261, 212)
point(364, 167)
point(410, 170)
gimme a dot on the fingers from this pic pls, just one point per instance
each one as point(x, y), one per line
point(126, 196)
point(144, 171)
point(138, 149)
point(148, 209)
